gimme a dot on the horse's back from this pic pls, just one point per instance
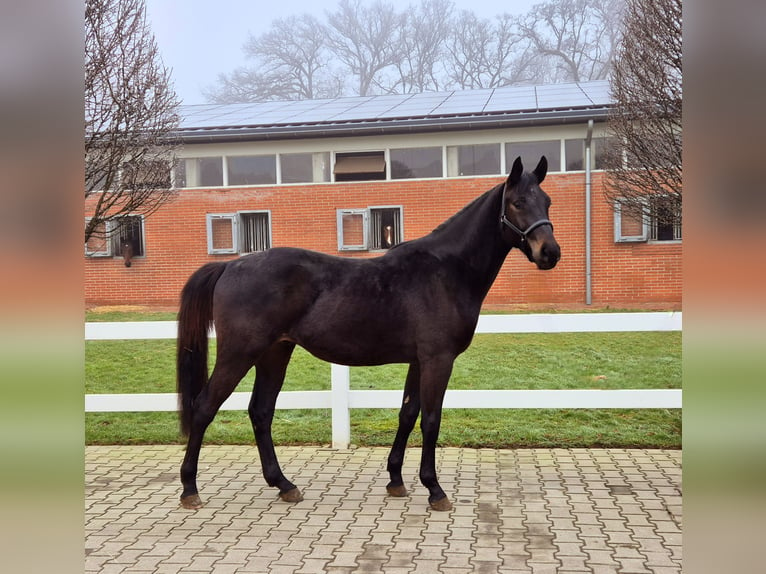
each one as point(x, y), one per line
point(357, 311)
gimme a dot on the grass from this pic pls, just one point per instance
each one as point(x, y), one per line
point(509, 361)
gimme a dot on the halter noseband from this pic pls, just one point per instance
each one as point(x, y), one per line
point(507, 222)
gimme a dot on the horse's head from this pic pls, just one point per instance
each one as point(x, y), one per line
point(127, 252)
point(524, 218)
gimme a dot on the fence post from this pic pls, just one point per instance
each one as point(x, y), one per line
point(341, 419)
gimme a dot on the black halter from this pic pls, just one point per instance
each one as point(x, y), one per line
point(507, 222)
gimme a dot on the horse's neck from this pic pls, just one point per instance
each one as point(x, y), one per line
point(473, 237)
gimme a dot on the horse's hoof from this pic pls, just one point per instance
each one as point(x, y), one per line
point(192, 502)
point(292, 495)
point(443, 504)
point(397, 491)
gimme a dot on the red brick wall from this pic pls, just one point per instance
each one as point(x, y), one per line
point(623, 274)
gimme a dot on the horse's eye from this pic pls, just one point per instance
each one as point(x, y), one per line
point(519, 204)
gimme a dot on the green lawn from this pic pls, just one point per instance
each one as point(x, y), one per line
point(508, 361)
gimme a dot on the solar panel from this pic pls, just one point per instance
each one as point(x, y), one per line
point(348, 109)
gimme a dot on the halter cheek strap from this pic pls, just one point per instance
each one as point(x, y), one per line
point(507, 222)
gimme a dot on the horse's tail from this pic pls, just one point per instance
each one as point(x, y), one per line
point(195, 317)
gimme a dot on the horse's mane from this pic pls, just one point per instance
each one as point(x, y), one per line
point(447, 225)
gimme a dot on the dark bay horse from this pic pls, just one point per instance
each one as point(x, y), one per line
point(417, 304)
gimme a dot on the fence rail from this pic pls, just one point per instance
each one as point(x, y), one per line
point(341, 398)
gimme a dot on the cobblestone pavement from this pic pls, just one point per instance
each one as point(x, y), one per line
point(538, 511)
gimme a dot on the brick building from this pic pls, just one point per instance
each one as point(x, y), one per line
point(351, 176)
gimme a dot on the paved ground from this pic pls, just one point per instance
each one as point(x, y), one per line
point(516, 511)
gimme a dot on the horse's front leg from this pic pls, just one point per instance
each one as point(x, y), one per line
point(270, 375)
point(407, 417)
point(435, 374)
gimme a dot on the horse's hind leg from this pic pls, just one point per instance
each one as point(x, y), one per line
point(269, 376)
point(407, 417)
point(226, 375)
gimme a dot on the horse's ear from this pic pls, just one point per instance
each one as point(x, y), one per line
point(541, 170)
point(515, 175)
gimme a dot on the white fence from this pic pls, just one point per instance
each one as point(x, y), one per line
point(341, 398)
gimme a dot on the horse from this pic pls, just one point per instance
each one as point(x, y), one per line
point(416, 304)
point(126, 248)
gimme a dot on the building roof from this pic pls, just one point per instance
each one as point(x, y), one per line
point(397, 113)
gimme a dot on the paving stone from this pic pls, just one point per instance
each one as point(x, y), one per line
point(602, 511)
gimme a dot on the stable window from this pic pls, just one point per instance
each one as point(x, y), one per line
point(664, 220)
point(304, 167)
point(654, 219)
point(361, 166)
point(409, 163)
point(481, 159)
point(241, 232)
point(251, 170)
point(373, 228)
point(531, 152)
point(630, 223)
point(112, 235)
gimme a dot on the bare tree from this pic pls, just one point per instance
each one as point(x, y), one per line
point(245, 85)
point(364, 39)
point(644, 162)
point(483, 54)
point(425, 47)
point(130, 114)
point(422, 41)
point(292, 62)
point(573, 40)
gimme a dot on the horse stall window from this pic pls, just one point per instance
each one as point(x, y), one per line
point(127, 230)
point(530, 153)
point(252, 169)
point(630, 222)
point(352, 229)
point(385, 227)
point(409, 163)
point(98, 242)
point(242, 232)
point(665, 220)
point(304, 167)
point(360, 166)
point(374, 228)
point(254, 231)
point(480, 159)
point(221, 233)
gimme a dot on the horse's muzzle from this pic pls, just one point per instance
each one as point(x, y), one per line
point(547, 255)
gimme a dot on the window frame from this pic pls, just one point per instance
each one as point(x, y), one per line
point(394, 150)
point(232, 217)
point(240, 224)
point(110, 234)
point(357, 175)
point(236, 231)
point(618, 235)
point(648, 226)
point(232, 159)
point(365, 215)
point(453, 154)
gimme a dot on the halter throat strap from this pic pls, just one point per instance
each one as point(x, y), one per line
point(504, 221)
